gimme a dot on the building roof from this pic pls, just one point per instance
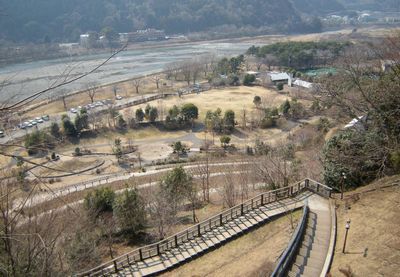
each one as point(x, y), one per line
point(303, 84)
point(355, 121)
point(252, 72)
point(278, 76)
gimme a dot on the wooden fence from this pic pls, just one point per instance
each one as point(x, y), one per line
point(197, 230)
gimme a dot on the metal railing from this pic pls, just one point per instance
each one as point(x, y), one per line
point(197, 230)
point(285, 261)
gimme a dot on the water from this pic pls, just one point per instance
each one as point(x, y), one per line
point(21, 80)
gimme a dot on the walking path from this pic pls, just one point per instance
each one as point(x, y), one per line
point(311, 256)
point(213, 232)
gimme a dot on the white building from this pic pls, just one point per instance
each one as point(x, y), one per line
point(281, 77)
point(303, 84)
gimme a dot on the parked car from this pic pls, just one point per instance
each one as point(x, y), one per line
point(34, 123)
point(1, 134)
point(46, 117)
point(118, 97)
point(40, 120)
point(73, 110)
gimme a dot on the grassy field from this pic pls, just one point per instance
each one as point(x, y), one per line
point(234, 98)
point(253, 254)
point(373, 243)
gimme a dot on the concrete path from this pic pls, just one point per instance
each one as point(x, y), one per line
point(313, 251)
point(211, 239)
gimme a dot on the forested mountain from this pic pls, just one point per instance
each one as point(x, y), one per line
point(317, 7)
point(373, 5)
point(64, 20)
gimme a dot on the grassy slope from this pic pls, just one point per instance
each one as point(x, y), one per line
point(253, 254)
point(373, 245)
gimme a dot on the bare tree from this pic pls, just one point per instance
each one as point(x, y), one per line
point(91, 90)
point(115, 90)
point(64, 96)
point(228, 190)
point(156, 79)
point(186, 70)
point(137, 83)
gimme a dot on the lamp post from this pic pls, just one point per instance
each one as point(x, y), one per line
point(347, 226)
point(343, 181)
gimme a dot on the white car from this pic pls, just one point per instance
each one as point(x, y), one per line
point(29, 125)
point(40, 120)
point(34, 123)
point(1, 134)
point(46, 117)
point(118, 97)
point(73, 110)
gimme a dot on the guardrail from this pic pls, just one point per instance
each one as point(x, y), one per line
point(285, 261)
point(197, 230)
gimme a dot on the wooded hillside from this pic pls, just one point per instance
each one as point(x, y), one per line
point(60, 20)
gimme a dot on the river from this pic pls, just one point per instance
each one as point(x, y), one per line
point(21, 80)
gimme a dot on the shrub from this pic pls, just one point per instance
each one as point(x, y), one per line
point(55, 130)
point(77, 152)
point(249, 79)
point(129, 211)
point(395, 160)
point(99, 201)
point(225, 140)
point(38, 141)
point(268, 122)
point(279, 86)
point(350, 152)
point(257, 101)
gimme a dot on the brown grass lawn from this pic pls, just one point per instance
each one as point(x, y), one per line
point(253, 254)
point(234, 98)
point(373, 244)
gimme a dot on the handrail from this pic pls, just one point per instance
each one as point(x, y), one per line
point(196, 230)
point(286, 258)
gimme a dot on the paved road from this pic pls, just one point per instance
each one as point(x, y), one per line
point(119, 104)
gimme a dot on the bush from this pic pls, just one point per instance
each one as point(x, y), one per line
point(355, 154)
point(99, 201)
point(225, 140)
point(69, 128)
point(268, 122)
point(38, 141)
point(129, 211)
point(279, 86)
point(249, 79)
point(77, 152)
point(395, 160)
point(257, 101)
point(233, 80)
point(55, 130)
